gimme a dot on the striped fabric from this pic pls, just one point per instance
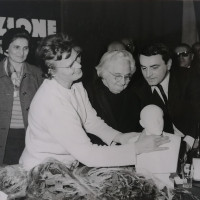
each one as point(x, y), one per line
point(16, 119)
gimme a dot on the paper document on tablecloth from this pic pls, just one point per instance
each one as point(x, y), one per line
point(161, 161)
point(3, 196)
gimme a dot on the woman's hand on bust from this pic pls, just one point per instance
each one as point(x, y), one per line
point(149, 143)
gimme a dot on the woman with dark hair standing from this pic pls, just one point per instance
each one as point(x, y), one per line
point(19, 82)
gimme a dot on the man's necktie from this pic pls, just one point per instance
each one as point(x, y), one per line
point(162, 93)
point(168, 126)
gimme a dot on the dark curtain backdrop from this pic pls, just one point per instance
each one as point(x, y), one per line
point(96, 23)
point(197, 13)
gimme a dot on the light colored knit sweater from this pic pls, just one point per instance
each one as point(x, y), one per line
point(58, 121)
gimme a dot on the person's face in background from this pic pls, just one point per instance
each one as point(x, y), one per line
point(128, 42)
point(154, 68)
point(184, 57)
point(115, 46)
point(117, 75)
point(18, 50)
point(196, 50)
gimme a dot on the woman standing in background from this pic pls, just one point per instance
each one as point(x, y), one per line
point(19, 82)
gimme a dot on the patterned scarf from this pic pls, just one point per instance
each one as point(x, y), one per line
point(15, 77)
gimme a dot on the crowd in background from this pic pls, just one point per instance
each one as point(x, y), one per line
point(124, 81)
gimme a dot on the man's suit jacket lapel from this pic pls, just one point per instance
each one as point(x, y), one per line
point(148, 97)
point(173, 92)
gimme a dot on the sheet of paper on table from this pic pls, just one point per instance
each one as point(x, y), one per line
point(161, 161)
point(3, 196)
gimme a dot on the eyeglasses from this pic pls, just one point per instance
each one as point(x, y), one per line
point(72, 63)
point(183, 54)
point(119, 77)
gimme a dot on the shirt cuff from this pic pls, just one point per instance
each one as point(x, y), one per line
point(189, 140)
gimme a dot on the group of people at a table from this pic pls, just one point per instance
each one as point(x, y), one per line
point(55, 116)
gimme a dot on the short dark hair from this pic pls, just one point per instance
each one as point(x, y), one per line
point(155, 49)
point(51, 48)
point(13, 34)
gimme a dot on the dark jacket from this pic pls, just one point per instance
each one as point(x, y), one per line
point(31, 80)
point(183, 100)
point(120, 111)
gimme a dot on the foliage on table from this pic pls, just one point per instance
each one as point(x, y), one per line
point(120, 183)
point(13, 181)
point(53, 180)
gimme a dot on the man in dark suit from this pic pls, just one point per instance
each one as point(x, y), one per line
point(184, 55)
point(174, 90)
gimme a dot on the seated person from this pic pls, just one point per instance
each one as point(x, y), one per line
point(183, 55)
point(196, 60)
point(172, 90)
point(115, 46)
point(196, 51)
point(111, 95)
point(129, 44)
point(187, 58)
point(61, 114)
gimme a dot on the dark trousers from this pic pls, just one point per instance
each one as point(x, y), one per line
point(14, 146)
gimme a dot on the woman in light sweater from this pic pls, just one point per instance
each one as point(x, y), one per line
point(61, 114)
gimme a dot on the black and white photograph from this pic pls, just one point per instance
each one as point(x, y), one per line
point(99, 99)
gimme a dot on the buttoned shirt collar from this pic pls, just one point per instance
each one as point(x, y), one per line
point(164, 84)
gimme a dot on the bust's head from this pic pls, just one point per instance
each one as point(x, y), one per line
point(151, 119)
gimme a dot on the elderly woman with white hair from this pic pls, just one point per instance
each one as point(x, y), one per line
point(111, 95)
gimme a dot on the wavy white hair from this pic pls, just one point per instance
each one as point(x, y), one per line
point(110, 57)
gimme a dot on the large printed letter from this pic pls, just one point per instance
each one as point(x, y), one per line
point(39, 28)
point(23, 22)
point(2, 30)
point(51, 27)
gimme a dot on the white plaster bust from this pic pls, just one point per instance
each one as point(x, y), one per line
point(151, 119)
point(160, 163)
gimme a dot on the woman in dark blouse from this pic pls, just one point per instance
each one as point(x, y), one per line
point(112, 96)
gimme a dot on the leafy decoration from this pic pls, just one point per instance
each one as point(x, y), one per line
point(53, 180)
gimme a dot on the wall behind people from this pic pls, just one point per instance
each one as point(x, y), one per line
point(197, 14)
point(39, 18)
point(95, 23)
